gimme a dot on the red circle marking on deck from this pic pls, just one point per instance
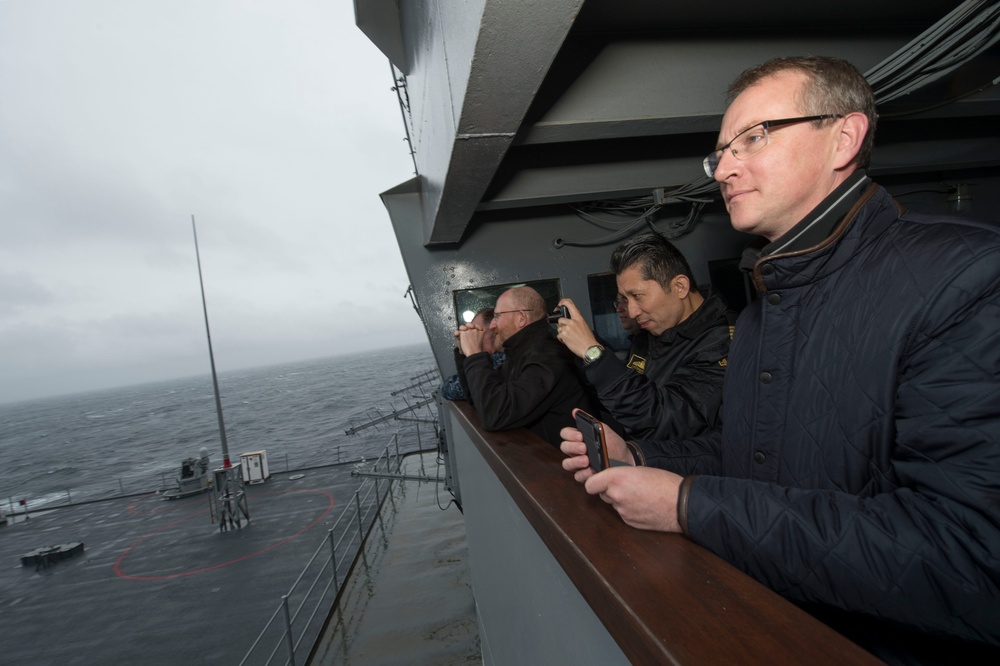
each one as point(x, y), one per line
point(121, 558)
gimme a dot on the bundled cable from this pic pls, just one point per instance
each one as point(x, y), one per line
point(963, 34)
point(967, 31)
point(619, 215)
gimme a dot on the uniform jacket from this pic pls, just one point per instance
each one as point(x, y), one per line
point(670, 386)
point(537, 387)
point(858, 463)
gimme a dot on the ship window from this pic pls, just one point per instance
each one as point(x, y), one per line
point(470, 301)
point(603, 290)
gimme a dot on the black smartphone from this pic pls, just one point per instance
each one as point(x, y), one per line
point(593, 437)
point(561, 312)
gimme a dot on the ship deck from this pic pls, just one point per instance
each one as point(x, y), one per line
point(159, 583)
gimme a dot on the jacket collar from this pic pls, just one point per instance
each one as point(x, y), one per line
point(820, 223)
point(527, 337)
point(710, 310)
point(869, 215)
point(815, 227)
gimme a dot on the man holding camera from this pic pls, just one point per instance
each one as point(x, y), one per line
point(537, 387)
point(671, 383)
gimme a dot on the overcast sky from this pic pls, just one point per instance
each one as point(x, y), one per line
point(273, 123)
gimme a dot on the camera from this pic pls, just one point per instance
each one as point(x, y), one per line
point(560, 312)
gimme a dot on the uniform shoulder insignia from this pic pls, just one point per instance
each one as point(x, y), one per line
point(637, 363)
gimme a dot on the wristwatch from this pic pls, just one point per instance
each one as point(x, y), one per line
point(592, 354)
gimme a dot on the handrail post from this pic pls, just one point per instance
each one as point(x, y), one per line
point(288, 630)
point(333, 562)
point(357, 501)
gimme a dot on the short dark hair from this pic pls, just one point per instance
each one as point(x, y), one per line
point(655, 256)
point(832, 86)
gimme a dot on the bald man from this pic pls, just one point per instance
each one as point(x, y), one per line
point(538, 385)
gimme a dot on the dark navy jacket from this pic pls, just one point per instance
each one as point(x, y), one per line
point(858, 462)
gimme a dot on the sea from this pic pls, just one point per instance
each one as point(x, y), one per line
point(133, 439)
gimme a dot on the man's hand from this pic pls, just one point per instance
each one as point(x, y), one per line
point(576, 452)
point(470, 339)
point(574, 332)
point(645, 497)
point(577, 460)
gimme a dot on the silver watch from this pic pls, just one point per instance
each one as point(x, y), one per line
point(592, 354)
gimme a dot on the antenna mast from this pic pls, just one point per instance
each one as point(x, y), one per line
point(230, 500)
point(211, 356)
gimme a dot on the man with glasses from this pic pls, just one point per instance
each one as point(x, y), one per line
point(537, 386)
point(453, 389)
point(628, 322)
point(857, 467)
point(671, 384)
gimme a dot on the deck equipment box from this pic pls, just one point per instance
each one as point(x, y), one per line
point(255, 469)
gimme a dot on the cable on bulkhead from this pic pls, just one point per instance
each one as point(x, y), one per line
point(964, 33)
point(619, 215)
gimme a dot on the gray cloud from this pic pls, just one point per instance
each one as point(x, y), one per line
point(272, 123)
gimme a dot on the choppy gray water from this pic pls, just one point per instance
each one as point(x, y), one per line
point(133, 439)
point(130, 439)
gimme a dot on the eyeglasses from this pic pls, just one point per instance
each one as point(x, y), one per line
point(496, 315)
point(754, 139)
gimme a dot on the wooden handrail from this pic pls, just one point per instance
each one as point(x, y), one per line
point(663, 598)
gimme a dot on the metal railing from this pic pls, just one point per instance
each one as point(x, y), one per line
point(296, 622)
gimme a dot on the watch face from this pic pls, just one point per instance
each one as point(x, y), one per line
point(593, 353)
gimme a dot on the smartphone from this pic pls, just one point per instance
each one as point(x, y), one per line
point(561, 312)
point(593, 437)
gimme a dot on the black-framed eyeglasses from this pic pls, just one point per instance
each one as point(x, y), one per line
point(496, 314)
point(754, 139)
